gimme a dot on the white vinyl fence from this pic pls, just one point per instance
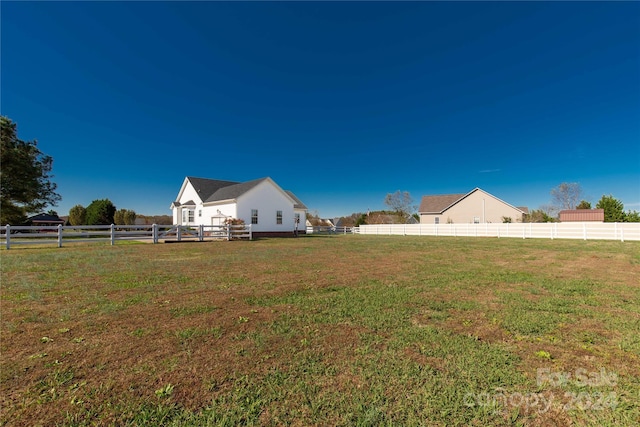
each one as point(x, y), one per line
point(556, 230)
point(20, 235)
point(324, 229)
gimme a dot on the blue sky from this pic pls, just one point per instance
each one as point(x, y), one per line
point(339, 102)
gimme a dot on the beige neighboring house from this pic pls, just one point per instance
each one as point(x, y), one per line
point(476, 206)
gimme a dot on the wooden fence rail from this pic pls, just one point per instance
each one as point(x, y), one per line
point(22, 235)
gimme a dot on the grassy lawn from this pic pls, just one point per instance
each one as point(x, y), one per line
point(340, 330)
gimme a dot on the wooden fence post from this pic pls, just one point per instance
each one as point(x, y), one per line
point(201, 232)
point(179, 232)
point(113, 234)
point(154, 233)
point(8, 237)
point(59, 235)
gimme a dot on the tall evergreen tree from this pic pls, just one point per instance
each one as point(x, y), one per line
point(613, 209)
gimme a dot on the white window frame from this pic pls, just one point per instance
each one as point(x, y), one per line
point(278, 217)
point(188, 216)
point(254, 216)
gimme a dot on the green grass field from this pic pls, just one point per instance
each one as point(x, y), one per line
point(340, 330)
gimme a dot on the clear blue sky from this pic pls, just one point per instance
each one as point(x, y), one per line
point(340, 103)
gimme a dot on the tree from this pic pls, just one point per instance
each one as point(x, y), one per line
point(100, 212)
point(362, 219)
point(401, 203)
point(118, 217)
point(550, 212)
point(156, 219)
point(632, 216)
point(566, 195)
point(124, 217)
point(613, 209)
point(77, 215)
point(584, 205)
point(538, 215)
point(25, 176)
point(130, 217)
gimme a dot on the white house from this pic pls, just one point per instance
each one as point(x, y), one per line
point(262, 203)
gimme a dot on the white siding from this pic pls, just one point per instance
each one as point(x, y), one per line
point(303, 219)
point(187, 193)
point(208, 212)
point(190, 193)
point(268, 200)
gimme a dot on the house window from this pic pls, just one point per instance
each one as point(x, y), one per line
point(254, 216)
point(278, 217)
point(476, 220)
point(296, 217)
point(188, 216)
point(437, 220)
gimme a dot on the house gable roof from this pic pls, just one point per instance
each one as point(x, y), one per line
point(297, 203)
point(213, 190)
point(439, 204)
point(208, 187)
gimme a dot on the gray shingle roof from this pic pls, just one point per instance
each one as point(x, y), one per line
point(298, 204)
point(232, 191)
point(433, 204)
point(213, 190)
point(207, 187)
